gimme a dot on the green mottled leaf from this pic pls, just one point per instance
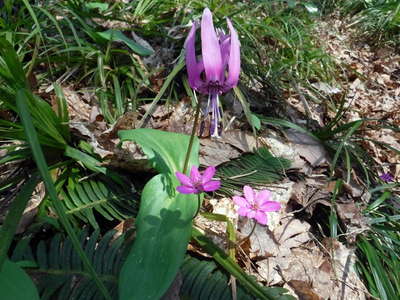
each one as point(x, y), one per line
point(164, 221)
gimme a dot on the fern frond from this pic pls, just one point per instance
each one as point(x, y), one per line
point(203, 280)
point(81, 199)
point(59, 270)
point(60, 275)
point(255, 169)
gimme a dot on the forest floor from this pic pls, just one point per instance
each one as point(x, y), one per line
point(320, 144)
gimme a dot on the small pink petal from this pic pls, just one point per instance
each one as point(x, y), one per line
point(262, 196)
point(183, 179)
point(270, 206)
point(208, 174)
point(186, 190)
point(243, 211)
point(210, 48)
point(261, 218)
point(240, 201)
point(195, 174)
point(251, 214)
point(248, 193)
point(211, 185)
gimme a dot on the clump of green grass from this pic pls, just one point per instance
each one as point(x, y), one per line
point(378, 20)
point(379, 249)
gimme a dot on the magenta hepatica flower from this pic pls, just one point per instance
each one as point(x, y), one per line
point(197, 182)
point(387, 177)
point(255, 205)
point(220, 62)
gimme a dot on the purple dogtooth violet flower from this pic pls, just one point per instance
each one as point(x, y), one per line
point(217, 71)
point(256, 204)
point(197, 182)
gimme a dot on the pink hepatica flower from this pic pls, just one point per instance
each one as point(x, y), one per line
point(220, 63)
point(197, 182)
point(255, 205)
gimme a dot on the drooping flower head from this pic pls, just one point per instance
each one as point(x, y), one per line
point(218, 69)
point(197, 182)
point(255, 205)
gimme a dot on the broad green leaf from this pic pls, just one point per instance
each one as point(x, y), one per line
point(97, 5)
point(291, 3)
point(165, 150)
point(311, 7)
point(14, 215)
point(164, 221)
point(255, 122)
point(15, 284)
point(117, 36)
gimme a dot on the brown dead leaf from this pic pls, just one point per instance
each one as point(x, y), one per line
point(303, 290)
point(31, 208)
point(308, 148)
point(78, 108)
point(310, 273)
point(265, 243)
point(214, 152)
point(240, 139)
point(312, 191)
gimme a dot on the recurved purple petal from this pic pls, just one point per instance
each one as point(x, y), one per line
point(270, 206)
point(212, 185)
point(183, 179)
point(261, 218)
point(234, 58)
point(186, 190)
point(225, 44)
point(248, 193)
point(193, 67)
point(208, 174)
point(195, 175)
point(210, 48)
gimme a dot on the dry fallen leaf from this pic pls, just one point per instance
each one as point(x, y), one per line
point(308, 148)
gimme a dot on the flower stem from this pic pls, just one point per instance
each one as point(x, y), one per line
point(194, 129)
point(198, 206)
point(251, 232)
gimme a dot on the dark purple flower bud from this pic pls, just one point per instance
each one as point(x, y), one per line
point(386, 177)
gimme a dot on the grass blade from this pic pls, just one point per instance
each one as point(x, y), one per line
point(41, 163)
